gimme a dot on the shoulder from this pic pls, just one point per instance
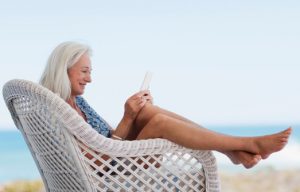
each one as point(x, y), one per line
point(80, 99)
point(84, 106)
point(81, 102)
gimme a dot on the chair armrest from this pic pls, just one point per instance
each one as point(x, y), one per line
point(144, 150)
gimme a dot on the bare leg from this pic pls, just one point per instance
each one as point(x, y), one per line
point(147, 114)
point(237, 157)
point(154, 122)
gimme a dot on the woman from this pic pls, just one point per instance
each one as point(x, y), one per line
point(67, 73)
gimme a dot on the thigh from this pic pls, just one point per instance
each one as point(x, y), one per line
point(149, 111)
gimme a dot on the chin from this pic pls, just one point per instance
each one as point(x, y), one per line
point(79, 93)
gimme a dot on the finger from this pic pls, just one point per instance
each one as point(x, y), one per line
point(145, 92)
point(138, 100)
point(142, 93)
point(141, 100)
point(138, 96)
point(143, 103)
point(135, 96)
point(148, 98)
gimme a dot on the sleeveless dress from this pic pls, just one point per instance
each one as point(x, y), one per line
point(97, 122)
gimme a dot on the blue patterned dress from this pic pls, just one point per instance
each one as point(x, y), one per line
point(97, 122)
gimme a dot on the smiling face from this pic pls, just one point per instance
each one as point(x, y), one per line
point(79, 75)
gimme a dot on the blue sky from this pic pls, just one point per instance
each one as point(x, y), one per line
point(215, 62)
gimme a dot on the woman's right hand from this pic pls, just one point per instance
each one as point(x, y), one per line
point(135, 103)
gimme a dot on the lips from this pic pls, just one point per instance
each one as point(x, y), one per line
point(82, 85)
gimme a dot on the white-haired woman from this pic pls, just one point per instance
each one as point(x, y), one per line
point(67, 73)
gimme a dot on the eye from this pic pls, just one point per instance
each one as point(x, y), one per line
point(86, 71)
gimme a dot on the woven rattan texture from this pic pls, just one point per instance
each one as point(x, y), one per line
point(71, 156)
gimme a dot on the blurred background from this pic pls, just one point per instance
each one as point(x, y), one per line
point(231, 66)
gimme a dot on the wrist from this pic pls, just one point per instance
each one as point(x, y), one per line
point(127, 119)
point(122, 129)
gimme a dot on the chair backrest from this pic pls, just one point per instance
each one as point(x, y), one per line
point(39, 118)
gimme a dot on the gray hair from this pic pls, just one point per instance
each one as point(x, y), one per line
point(55, 76)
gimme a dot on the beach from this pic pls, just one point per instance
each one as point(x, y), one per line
point(264, 180)
point(23, 186)
point(279, 173)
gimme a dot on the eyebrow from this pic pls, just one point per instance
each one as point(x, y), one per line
point(86, 68)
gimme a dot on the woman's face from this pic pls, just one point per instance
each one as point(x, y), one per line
point(80, 75)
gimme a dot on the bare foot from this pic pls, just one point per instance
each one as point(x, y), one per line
point(248, 160)
point(268, 144)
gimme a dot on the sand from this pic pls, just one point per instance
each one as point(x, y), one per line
point(23, 186)
point(265, 180)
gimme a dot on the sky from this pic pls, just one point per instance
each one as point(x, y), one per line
point(214, 62)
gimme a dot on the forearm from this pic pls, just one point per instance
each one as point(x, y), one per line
point(126, 129)
point(123, 128)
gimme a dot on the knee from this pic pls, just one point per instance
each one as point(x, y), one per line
point(154, 128)
point(145, 115)
point(158, 120)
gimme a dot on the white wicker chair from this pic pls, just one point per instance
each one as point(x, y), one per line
point(62, 144)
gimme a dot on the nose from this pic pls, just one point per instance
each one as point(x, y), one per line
point(88, 78)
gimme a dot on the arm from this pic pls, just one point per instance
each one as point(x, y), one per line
point(133, 106)
point(123, 128)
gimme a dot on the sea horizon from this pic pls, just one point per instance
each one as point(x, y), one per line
point(16, 162)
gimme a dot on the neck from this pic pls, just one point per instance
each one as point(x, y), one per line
point(72, 102)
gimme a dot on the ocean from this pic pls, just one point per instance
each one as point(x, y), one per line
point(16, 162)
